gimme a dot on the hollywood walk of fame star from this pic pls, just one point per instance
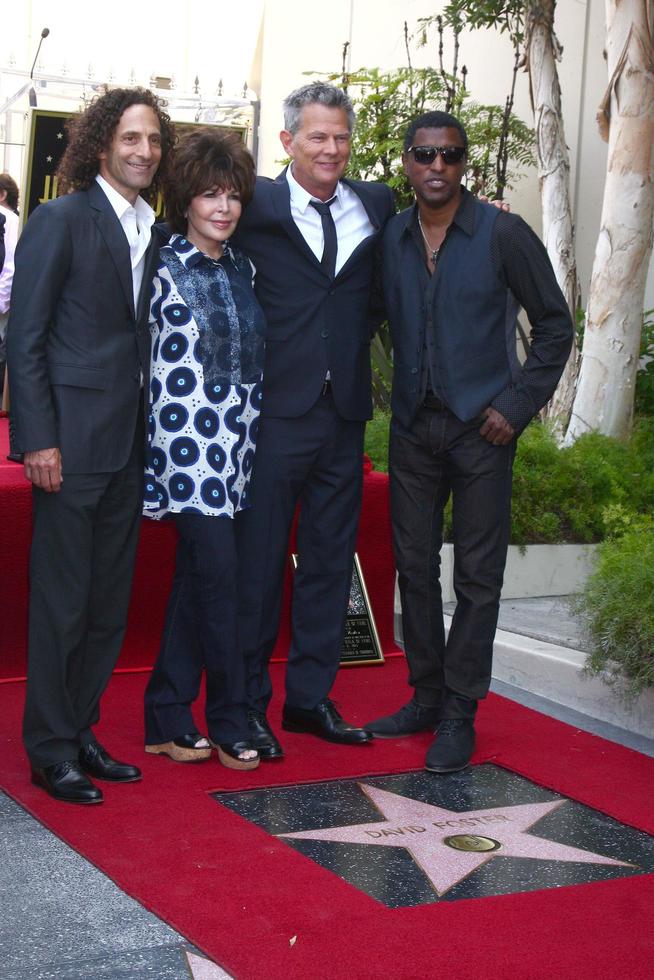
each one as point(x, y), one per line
point(433, 835)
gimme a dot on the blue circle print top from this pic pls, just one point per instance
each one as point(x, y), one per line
point(205, 390)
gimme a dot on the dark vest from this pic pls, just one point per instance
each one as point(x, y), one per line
point(466, 319)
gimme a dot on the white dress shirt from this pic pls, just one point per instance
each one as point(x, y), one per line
point(350, 218)
point(137, 221)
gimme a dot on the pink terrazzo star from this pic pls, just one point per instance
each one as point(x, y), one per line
point(423, 830)
point(203, 969)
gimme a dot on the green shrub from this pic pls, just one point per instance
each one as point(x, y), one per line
point(376, 441)
point(617, 606)
point(644, 395)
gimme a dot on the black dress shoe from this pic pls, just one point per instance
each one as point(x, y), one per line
point(262, 737)
point(409, 719)
point(65, 781)
point(97, 762)
point(325, 722)
point(454, 745)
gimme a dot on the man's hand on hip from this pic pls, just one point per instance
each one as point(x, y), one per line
point(495, 428)
point(43, 469)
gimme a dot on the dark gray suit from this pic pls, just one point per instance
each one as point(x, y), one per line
point(78, 353)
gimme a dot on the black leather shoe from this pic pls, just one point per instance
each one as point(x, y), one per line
point(411, 718)
point(454, 745)
point(325, 722)
point(262, 737)
point(96, 761)
point(65, 781)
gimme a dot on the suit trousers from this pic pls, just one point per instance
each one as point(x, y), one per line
point(200, 633)
point(315, 461)
point(437, 456)
point(82, 556)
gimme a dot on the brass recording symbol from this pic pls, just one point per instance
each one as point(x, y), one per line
point(472, 842)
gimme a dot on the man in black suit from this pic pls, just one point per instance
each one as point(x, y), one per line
point(79, 350)
point(312, 238)
point(455, 273)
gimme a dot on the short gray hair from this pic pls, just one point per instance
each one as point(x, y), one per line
point(320, 93)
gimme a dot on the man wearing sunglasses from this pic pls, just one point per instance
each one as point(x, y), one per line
point(455, 273)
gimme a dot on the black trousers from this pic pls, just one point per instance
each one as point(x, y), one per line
point(84, 542)
point(315, 461)
point(200, 633)
point(436, 457)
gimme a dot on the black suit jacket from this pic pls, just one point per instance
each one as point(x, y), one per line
point(2, 241)
point(77, 349)
point(315, 324)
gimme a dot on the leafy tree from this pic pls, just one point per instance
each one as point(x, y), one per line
point(386, 102)
point(604, 399)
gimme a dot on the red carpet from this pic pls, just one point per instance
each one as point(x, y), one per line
point(154, 569)
point(241, 895)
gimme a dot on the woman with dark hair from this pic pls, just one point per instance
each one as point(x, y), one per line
point(208, 342)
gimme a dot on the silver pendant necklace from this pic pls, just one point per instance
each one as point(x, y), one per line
point(433, 251)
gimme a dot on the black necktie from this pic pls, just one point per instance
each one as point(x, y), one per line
point(328, 260)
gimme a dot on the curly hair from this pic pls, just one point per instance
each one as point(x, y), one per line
point(91, 132)
point(8, 184)
point(206, 158)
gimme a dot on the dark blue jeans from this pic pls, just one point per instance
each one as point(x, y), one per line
point(438, 456)
point(200, 632)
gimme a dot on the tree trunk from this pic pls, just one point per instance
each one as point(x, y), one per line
point(605, 392)
point(542, 51)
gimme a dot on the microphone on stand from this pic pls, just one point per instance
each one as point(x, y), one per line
point(32, 92)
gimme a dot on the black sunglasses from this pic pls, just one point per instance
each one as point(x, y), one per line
point(427, 154)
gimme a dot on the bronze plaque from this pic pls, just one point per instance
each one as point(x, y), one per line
point(360, 641)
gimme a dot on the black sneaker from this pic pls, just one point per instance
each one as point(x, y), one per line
point(411, 718)
point(454, 745)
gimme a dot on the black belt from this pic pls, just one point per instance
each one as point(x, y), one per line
point(326, 388)
point(434, 403)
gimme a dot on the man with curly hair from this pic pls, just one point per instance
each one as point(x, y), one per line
point(79, 355)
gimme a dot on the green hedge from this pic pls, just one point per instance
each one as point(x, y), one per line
point(376, 443)
point(562, 495)
point(617, 606)
point(565, 495)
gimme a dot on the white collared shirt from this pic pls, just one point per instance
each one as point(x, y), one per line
point(137, 221)
point(350, 218)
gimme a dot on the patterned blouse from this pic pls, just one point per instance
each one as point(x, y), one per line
point(205, 391)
